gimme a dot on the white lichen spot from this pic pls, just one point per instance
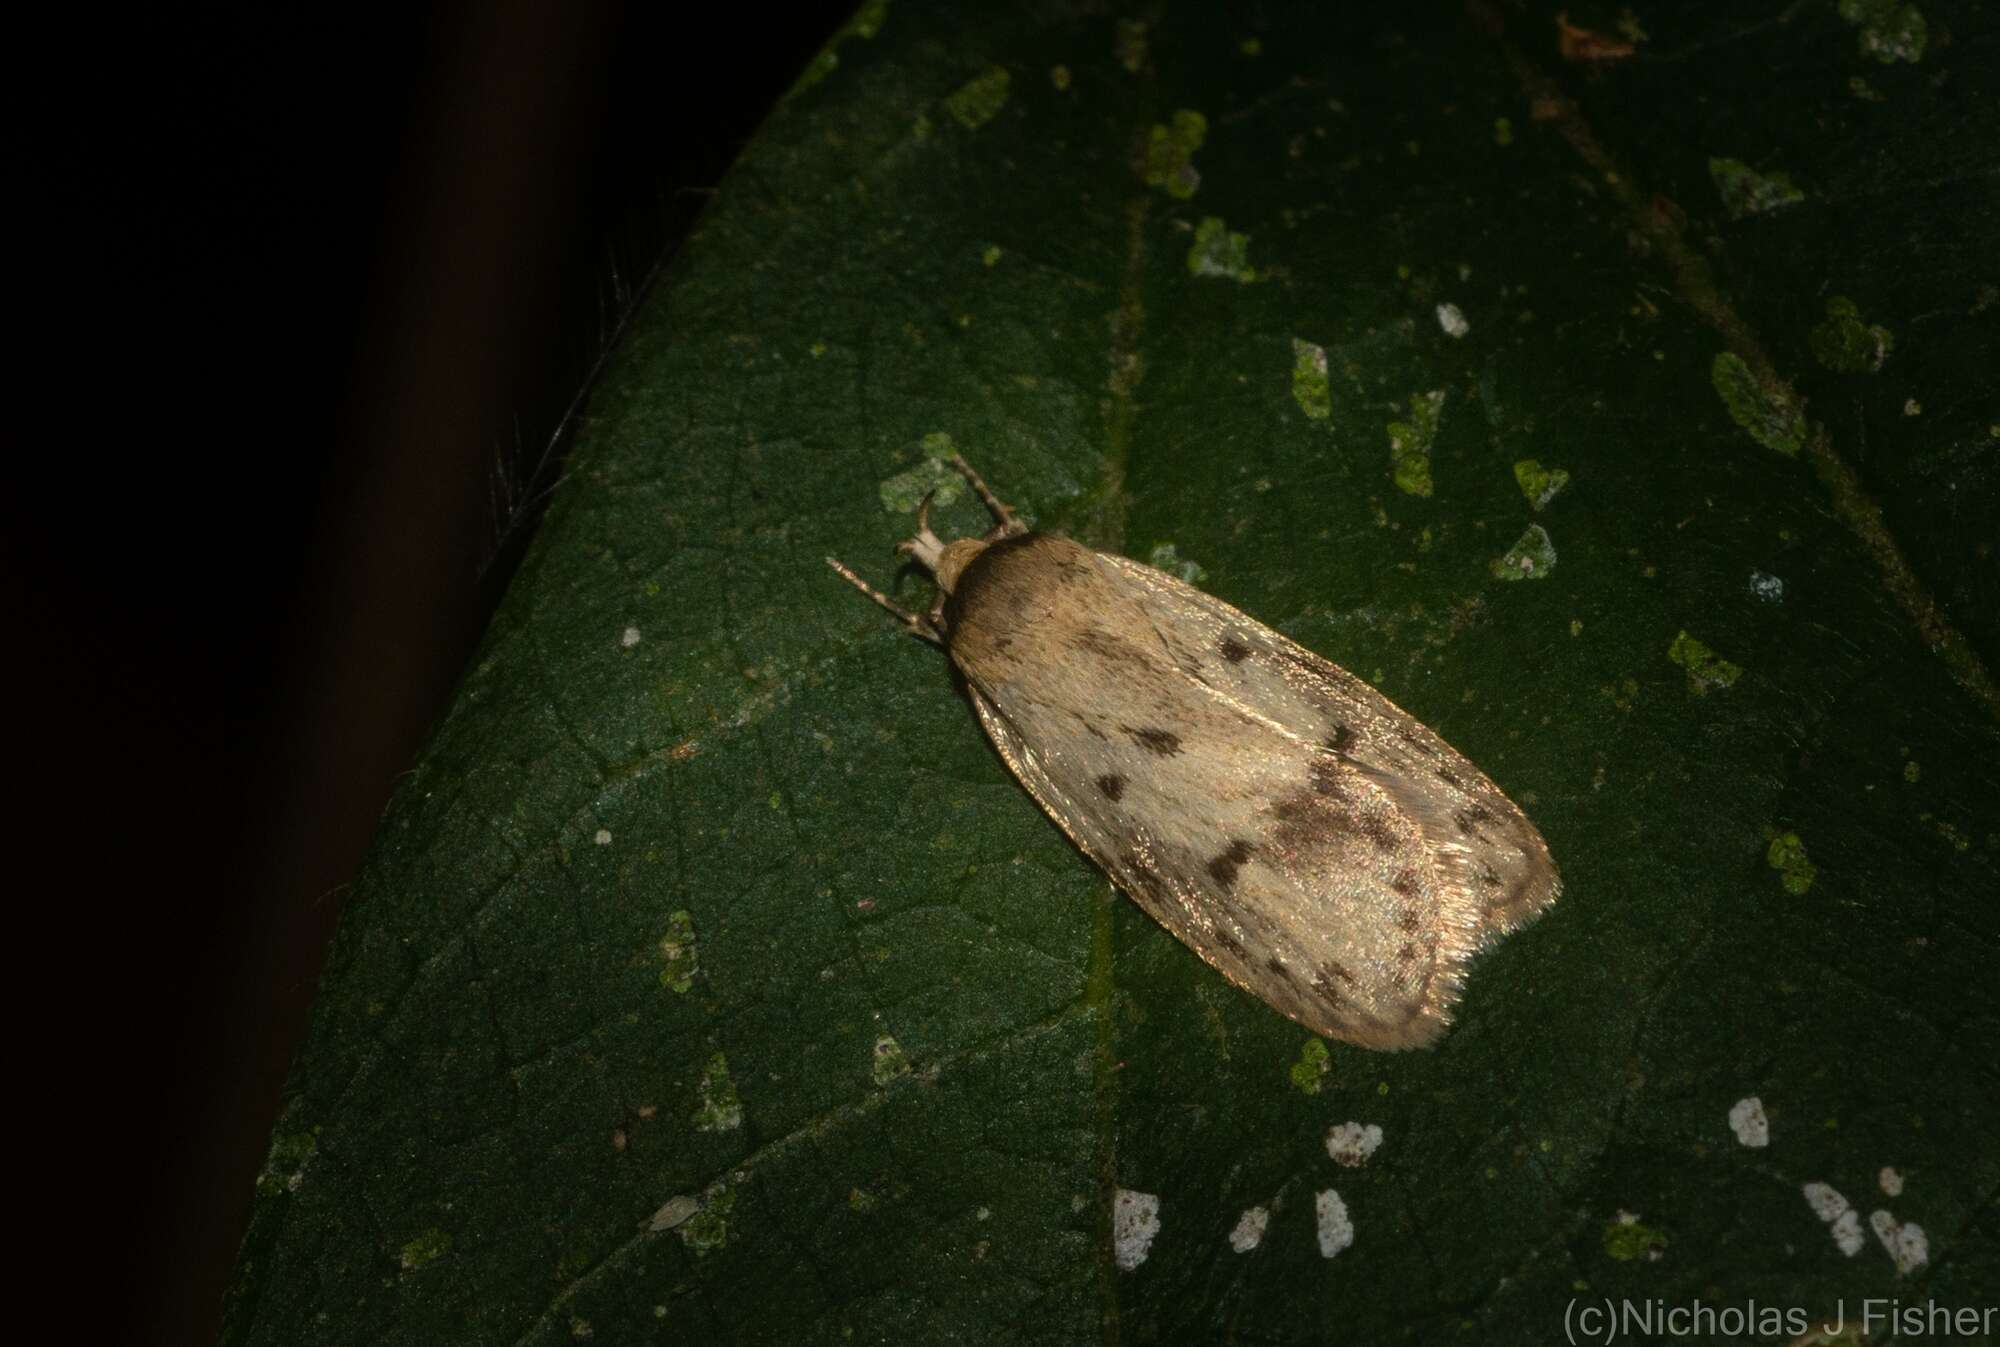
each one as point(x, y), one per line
point(1249, 1231)
point(1769, 588)
point(1904, 1242)
point(1826, 1203)
point(602, 837)
point(1351, 1143)
point(1452, 320)
point(673, 1213)
point(1747, 1120)
point(1911, 407)
point(1843, 1220)
point(1891, 1180)
point(1336, 1231)
point(629, 638)
point(1135, 1219)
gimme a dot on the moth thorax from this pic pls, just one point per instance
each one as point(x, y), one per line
point(952, 560)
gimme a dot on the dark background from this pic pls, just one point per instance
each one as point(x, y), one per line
point(317, 295)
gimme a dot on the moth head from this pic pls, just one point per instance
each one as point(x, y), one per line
point(945, 560)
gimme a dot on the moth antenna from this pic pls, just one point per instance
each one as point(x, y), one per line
point(926, 547)
point(913, 624)
point(1007, 526)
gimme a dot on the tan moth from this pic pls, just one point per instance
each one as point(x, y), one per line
point(1311, 840)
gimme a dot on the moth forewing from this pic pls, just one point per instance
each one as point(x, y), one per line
point(1301, 833)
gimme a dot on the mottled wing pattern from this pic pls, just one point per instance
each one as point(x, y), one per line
point(1499, 866)
point(1352, 958)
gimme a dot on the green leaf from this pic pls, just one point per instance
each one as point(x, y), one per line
point(710, 979)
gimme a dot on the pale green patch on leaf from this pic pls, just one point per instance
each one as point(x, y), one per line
point(1745, 191)
point(1890, 32)
point(721, 1110)
point(905, 491)
point(1410, 443)
point(1130, 47)
point(1705, 668)
point(428, 1247)
point(677, 952)
point(1167, 558)
point(992, 254)
point(1503, 131)
point(890, 1060)
point(1627, 1238)
point(285, 1164)
point(1170, 153)
point(708, 1229)
point(1531, 557)
point(1219, 252)
point(1843, 342)
point(1310, 1071)
point(867, 21)
point(980, 99)
point(1310, 388)
point(1787, 855)
point(1539, 484)
point(1767, 416)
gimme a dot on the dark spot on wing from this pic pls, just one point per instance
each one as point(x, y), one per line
point(1341, 739)
point(1234, 652)
point(1309, 819)
point(1407, 919)
point(1468, 820)
point(1377, 830)
point(1449, 777)
point(1163, 742)
point(1408, 953)
point(1112, 785)
point(1225, 865)
point(1328, 779)
point(1282, 973)
point(1104, 646)
point(1330, 972)
point(1224, 937)
point(1405, 883)
point(1089, 728)
point(1490, 877)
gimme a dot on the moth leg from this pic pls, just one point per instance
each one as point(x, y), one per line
point(916, 626)
point(1006, 526)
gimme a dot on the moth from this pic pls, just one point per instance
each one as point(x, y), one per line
point(1315, 843)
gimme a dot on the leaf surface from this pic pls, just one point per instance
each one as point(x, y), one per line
point(711, 981)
